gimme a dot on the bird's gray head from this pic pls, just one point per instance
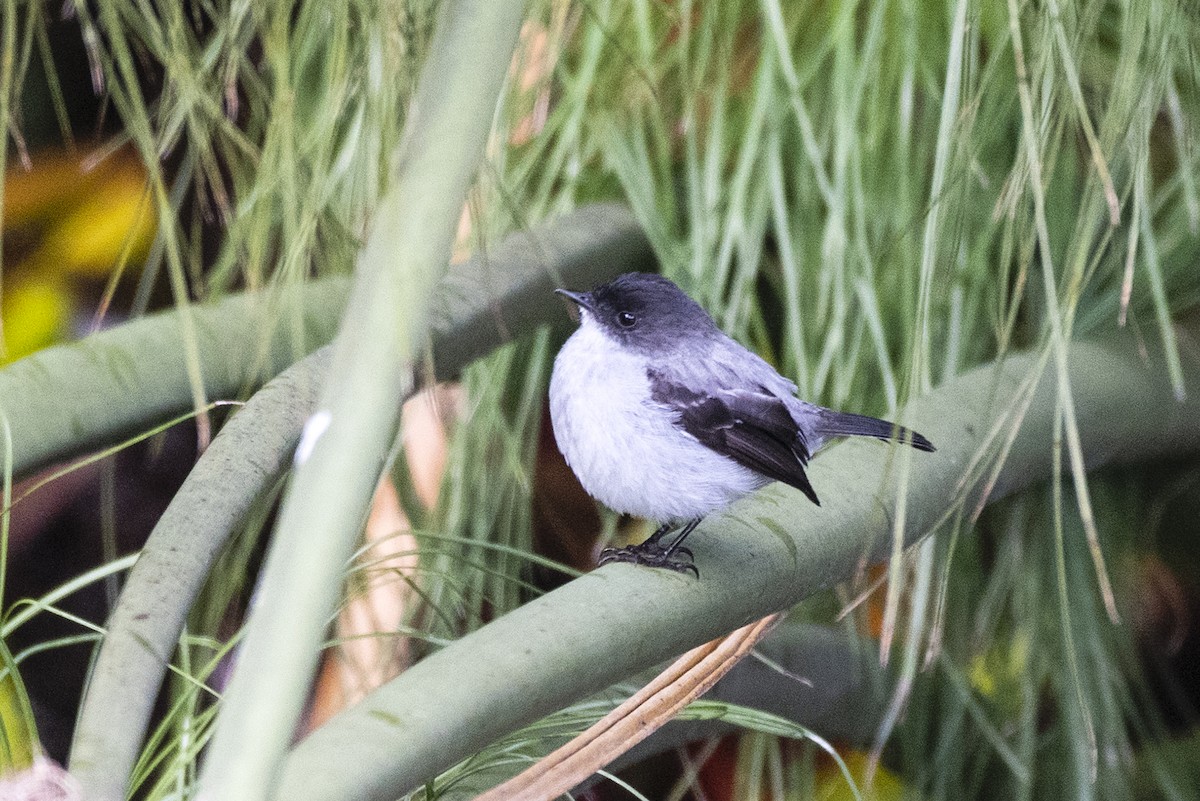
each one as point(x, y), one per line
point(643, 312)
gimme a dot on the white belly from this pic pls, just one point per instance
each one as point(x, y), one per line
point(624, 448)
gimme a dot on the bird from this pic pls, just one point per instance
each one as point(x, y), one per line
point(662, 415)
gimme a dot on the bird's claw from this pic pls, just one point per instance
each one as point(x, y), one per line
point(653, 556)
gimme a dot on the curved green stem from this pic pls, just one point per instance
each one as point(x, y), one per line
point(71, 399)
point(347, 441)
point(248, 455)
point(764, 554)
point(475, 309)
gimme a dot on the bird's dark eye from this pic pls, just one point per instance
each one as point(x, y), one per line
point(626, 319)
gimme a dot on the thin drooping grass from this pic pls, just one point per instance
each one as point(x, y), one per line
point(784, 164)
point(349, 441)
point(997, 658)
point(19, 742)
point(873, 196)
point(504, 405)
point(519, 750)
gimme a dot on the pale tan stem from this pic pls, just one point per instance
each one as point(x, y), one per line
point(646, 711)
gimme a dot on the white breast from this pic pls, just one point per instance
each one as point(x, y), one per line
point(624, 447)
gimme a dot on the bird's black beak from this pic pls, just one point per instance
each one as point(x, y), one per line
point(581, 299)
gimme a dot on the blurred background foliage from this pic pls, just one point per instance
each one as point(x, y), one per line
point(848, 187)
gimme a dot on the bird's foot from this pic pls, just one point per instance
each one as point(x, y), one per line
point(652, 554)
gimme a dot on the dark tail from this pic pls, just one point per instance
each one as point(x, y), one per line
point(845, 424)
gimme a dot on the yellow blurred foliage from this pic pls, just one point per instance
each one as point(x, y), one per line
point(87, 221)
point(831, 784)
point(18, 730)
point(72, 223)
point(112, 224)
point(997, 671)
point(36, 313)
point(55, 181)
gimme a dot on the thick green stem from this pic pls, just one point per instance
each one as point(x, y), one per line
point(476, 308)
point(764, 554)
point(347, 440)
point(71, 399)
point(248, 455)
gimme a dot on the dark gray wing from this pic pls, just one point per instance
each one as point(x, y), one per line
point(754, 429)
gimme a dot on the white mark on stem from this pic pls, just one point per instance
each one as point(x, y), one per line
point(314, 428)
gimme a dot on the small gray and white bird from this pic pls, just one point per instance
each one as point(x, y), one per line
point(663, 416)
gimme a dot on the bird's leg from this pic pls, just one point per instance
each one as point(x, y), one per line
point(658, 534)
point(653, 554)
point(688, 529)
